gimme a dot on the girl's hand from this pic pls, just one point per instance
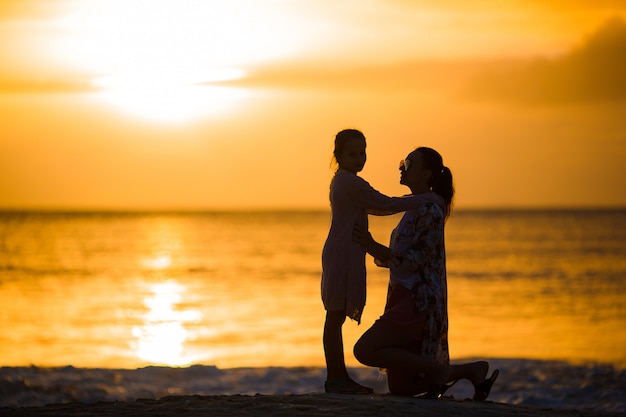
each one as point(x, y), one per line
point(381, 263)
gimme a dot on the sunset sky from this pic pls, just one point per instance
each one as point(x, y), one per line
point(202, 104)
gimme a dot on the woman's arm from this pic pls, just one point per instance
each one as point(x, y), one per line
point(380, 252)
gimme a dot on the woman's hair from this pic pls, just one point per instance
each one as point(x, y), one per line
point(341, 139)
point(441, 179)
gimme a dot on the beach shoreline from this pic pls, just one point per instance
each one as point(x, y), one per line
point(298, 405)
point(539, 384)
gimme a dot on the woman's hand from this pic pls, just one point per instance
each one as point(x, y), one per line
point(380, 252)
point(361, 235)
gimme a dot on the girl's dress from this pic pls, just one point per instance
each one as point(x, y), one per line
point(343, 260)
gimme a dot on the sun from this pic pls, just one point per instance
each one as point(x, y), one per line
point(166, 60)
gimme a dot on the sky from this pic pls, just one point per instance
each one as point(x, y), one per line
point(202, 104)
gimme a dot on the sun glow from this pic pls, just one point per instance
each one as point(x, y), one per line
point(173, 103)
point(164, 60)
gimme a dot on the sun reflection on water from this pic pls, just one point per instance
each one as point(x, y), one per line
point(157, 263)
point(162, 337)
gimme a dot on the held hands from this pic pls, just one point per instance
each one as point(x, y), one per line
point(380, 253)
point(361, 235)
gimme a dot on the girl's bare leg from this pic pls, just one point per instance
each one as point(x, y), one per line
point(333, 345)
point(337, 378)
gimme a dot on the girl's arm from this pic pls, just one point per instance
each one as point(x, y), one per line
point(376, 203)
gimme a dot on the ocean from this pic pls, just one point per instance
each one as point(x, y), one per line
point(115, 305)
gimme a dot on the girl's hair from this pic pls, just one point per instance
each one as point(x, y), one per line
point(441, 179)
point(341, 139)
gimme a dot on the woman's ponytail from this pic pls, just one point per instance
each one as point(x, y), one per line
point(441, 181)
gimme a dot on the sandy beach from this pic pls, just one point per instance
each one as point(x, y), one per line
point(524, 386)
point(296, 405)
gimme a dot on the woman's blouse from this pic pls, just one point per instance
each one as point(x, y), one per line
point(418, 262)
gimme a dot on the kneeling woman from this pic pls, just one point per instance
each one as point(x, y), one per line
point(410, 340)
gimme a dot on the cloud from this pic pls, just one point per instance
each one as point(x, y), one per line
point(592, 72)
point(580, 4)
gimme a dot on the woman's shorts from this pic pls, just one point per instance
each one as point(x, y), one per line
point(401, 314)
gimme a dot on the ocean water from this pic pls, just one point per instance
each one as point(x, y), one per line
point(539, 294)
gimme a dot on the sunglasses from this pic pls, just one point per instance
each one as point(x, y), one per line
point(405, 164)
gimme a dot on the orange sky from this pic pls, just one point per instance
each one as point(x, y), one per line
point(128, 104)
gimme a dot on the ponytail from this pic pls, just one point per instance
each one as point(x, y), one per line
point(442, 184)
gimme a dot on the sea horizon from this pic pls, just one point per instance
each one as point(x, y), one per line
point(286, 209)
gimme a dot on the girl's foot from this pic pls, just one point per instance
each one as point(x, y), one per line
point(346, 386)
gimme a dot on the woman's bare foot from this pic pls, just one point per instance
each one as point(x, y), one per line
point(477, 372)
point(482, 390)
point(482, 384)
